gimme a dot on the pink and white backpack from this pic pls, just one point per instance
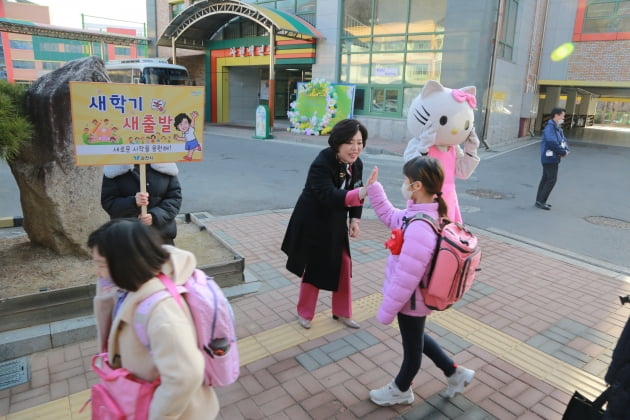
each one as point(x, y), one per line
point(213, 319)
point(454, 265)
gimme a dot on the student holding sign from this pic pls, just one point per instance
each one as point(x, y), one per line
point(121, 196)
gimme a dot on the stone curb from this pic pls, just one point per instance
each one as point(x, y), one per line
point(9, 222)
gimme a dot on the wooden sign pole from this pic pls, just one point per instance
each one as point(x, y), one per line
point(143, 184)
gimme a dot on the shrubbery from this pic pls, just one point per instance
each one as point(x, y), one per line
point(15, 127)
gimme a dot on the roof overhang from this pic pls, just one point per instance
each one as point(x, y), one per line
point(40, 29)
point(201, 21)
point(597, 88)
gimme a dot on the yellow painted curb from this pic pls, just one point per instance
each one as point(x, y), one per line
point(543, 366)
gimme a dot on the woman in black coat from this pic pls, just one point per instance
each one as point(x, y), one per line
point(316, 241)
point(120, 196)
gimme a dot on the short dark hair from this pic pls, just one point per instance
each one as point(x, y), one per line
point(179, 118)
point(557, 111)
point(133, 251)
point(343, 132)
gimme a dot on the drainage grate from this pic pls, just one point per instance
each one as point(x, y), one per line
point(608, 222)
point(487, 194)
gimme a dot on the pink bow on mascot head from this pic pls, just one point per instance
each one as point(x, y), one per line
point(441, 119)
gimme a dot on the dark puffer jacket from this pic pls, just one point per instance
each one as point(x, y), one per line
point(618, 376)
point(122, 182)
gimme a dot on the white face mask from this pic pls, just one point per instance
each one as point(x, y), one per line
point(560, 122)
point(404, 190)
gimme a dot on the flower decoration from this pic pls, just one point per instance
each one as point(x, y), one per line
point(314, 125)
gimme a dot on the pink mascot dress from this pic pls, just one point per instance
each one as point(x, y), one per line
point(441, 119)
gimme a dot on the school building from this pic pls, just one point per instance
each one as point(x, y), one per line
point(388, 49)
point(30, 47)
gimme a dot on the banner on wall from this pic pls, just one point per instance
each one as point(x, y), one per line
point(319, 106)
point(118, 123)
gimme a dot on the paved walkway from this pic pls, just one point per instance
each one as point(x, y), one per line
point(535, 327)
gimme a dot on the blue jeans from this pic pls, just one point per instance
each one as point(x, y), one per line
point(415, 342)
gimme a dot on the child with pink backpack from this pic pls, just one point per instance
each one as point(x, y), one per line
point(406, 268)
point(152, 367)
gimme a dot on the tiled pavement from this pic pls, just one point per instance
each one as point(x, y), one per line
point(534, 327)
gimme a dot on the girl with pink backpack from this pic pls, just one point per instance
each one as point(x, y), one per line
point(165, 380)
point(406, 267)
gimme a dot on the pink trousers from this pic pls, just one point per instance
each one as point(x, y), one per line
point(341, 299)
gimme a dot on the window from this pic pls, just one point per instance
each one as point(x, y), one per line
point(49, 46)
point(76, 47)
point(20, 45)
point(126, 51)
point(23, 64)
point(384, 100)
point(51, 65)
point(389, 49)
point(508, 30)
point(176, 8)
point(607, 16)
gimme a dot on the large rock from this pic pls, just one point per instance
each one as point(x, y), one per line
point(61, 202)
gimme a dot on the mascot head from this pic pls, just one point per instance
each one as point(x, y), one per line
point(450, 110)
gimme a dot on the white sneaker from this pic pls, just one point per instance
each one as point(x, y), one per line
point(457, 381)
point(390, 395)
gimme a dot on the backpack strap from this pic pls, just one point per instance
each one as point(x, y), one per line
point(437, 229)
point(145, 307)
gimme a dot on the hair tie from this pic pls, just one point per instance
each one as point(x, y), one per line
point(439, 194)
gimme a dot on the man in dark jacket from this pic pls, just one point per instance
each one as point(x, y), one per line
point(553, 146)
point(120, 196)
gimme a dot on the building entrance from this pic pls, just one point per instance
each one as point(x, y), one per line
point(248, 88)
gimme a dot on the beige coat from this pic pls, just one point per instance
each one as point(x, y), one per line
point(174, 355)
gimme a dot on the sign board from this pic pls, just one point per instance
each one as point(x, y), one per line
point(118, 123)
point(13, 372)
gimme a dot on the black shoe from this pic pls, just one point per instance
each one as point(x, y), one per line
point(542, 206)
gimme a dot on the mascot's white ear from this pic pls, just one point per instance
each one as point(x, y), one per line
point(431, 87)
point(469, 89)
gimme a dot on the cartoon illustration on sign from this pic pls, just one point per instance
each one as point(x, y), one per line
point(186, 125)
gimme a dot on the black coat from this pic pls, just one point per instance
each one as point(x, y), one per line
point(618, 376)
point(318, 229)
point(118, 195)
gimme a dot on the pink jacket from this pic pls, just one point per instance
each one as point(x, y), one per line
point(404, 272)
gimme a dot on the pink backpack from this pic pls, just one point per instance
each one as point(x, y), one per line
point(213, 319)
point(454, 265)
point(119, 395)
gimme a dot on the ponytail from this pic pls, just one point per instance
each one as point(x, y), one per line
point(442, 207)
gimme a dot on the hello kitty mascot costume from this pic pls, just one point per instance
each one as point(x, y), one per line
point(440, 119)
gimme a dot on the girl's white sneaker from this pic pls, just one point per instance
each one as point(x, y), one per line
point(390, 395)
point(458, 381)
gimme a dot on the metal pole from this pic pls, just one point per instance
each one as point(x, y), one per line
point(272, 75)
point(493, 64)
point(173, 49)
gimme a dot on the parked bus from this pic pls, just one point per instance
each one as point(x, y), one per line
point(156, 71)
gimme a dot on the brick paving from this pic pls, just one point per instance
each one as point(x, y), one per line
point(561, 309)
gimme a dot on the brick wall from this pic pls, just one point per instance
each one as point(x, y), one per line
point(600, 60)
point(196, 68)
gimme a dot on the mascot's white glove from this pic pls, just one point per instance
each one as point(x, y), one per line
point(422, 142)
point(468, 160)
point(471, 144)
